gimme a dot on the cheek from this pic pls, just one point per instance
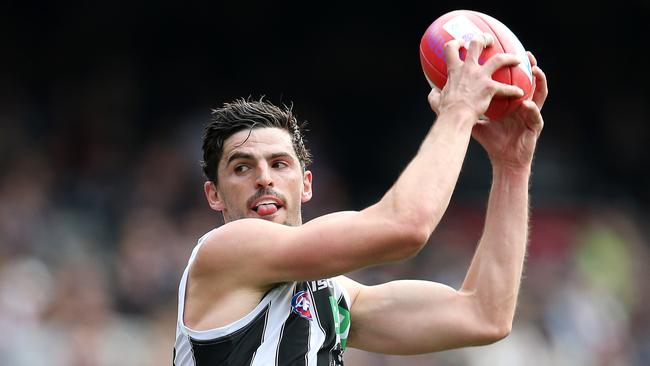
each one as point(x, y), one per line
point(232, 194)
point(297, 184)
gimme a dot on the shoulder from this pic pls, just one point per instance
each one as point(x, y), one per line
point(224, 247)
point(235, 229)
point(233, 232)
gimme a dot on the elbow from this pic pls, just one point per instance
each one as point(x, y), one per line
point(414, 238)
point(418, 238)
point(410, 228)
point(402, 236)
point(418, 228)
point(501, 331)
point(403, 241)
point(487, 323)
point(492, 333)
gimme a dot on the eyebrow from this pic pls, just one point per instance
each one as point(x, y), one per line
point(247, 156)
point(239, 155)
point(281, 155)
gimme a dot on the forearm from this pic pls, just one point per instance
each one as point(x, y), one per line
point(421, 194)
point(495, 272)
point(420, 317)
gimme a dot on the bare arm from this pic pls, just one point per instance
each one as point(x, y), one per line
point(260, 253)
point(495, 273)
point(420, 316)
point(394, 228)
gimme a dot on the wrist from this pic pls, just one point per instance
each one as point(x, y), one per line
point(503, 169)
point(459, 114)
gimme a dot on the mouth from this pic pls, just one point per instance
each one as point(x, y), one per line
point(266, 206)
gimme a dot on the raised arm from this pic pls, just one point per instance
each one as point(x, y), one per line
point(495, 272)
point(258, 252)
point(396, 227)
point(419, 316)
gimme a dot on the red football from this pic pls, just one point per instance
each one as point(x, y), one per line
point(465, 24)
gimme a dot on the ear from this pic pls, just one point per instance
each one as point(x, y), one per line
point(213, 197)
point(306, 186)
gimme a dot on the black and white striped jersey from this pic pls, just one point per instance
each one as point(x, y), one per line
point(296, 323)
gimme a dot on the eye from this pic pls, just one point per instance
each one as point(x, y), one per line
point(280, 164)
point(241, 168)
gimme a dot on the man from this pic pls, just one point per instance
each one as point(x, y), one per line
point(263, 289)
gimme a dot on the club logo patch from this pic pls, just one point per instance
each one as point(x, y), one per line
point(301, 304)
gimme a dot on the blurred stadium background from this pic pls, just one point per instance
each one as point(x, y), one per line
point(101, 111)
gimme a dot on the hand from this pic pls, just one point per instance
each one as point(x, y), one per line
point(469, 85)
point(511, 141)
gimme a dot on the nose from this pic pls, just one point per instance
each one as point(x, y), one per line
point(263, 178)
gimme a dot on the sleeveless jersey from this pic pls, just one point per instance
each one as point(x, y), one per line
point(296, 323)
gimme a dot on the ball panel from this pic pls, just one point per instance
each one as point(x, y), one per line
point(511, 44)
point(522, 80)
point(434, 76)
point(432, 50)
point(465, 24)
point(521, 75)
point(499, 106)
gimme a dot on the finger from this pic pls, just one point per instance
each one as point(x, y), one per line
point(531, 58)
point(541, 87)
point(505, 90)
point(533, 118)
point(489, 40)
point(452, 57)
point(476, 46)
point(500, 60)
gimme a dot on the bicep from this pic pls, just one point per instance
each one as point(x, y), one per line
point(412, 317)
point(257, 250)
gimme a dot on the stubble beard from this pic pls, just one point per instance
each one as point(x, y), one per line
point(293, 220)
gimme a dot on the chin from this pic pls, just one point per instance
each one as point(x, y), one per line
point(279, 219)
point(276, 218)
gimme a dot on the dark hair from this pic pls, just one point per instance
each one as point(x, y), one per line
point(248, 114)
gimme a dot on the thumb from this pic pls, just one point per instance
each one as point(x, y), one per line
point(533, 120)
point(434, 99)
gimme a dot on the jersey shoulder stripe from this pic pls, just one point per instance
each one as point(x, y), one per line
point(302, 323)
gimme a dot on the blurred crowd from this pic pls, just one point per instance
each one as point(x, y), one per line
point(101, 197)
point(95, 231)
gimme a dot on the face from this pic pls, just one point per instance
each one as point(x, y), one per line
point(259, 176)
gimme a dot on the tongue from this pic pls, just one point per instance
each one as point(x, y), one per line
point(264, 210)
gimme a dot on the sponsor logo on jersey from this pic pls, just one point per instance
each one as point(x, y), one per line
point(301, 304)
point(321, 284)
